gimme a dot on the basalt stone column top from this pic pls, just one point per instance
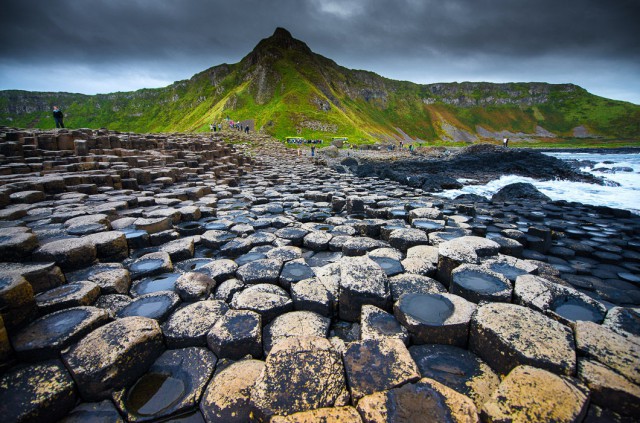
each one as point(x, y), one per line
point(362, 281)
point(423, 401)
point(113, 356)
point(531, 394)
point(375, 365)
point(300, 374)
point(467, 249)
point(523, 337)
point(40, 392)
point(328, 415)
point(435, 318)
point(226, 399)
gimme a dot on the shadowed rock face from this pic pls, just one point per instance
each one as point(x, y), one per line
point(248, 257)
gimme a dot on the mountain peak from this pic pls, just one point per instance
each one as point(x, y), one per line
point(282, 33)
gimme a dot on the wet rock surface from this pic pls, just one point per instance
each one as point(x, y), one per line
point(224, 249)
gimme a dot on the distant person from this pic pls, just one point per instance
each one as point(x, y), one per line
point(505, 141)
point(246, 129)
point(58, 117)
point(220, 127)
point(313, 150)
point(211, 127)
point(507, 144)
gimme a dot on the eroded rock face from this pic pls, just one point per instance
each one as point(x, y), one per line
point(327, 415)
point(300, 374)
point(609, 389)
point(423, 401)
point(113, 356)
point(294, 324)
point(189, 325)
point(508, 335)
point(227, 396)
point(531, 394)
point(362, 281)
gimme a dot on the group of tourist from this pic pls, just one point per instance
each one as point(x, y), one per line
point(237, 126)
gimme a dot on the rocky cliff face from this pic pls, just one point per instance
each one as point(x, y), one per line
point(283, 86)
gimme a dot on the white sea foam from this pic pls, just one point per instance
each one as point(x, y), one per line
point(609, 166)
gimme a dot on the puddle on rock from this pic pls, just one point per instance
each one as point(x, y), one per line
point(146, 265)
point(154, 393)
point(509, 272)
point(386, 324)
point(164, 282)
point(479, 282)
point(249, 257)
point(574, 309)
point(430, 309)
point(390, 266)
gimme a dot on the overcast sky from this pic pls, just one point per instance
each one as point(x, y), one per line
point(101, 46)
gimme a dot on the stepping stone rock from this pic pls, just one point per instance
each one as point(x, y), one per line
point(376, 324)
point(41, 276)
point(562, 303)
point(260, 271)
point(179, 249)
point(317, 241)
point(523, 337)
point(403, 239)
point(294, 271)
point(529, 394)
point(193, 286)
point(113, 356)
point(408, 283)
point(226, 399)
point(157, 306)
point(220, 270)
point(189, 325)
point(16, 245)
point(624, 321)
point(326, 415)
point(151, 264)
point(374, 365)
point(456, 368)
point(163, 282)
point(269, 301)
point(294, 324)
point(68, 253)
point(236, 334)
point(601, 344)
point(153, 225)
point(476, 284)
point(466, 249)
point(300, 374)
point(173, 385)
point(50, 334)
point(359, 246)
point(609, 389)
point(228, 289)
point(40, 392)
point(65, 296)
point(110, 246)
point(17, 304)
point(112, 303)
point(362, 281)
point(102, 412)
point(435, 318)
point(313, 295)
point(424, 401)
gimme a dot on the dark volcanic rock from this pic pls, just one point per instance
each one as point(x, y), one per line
point(519, 191)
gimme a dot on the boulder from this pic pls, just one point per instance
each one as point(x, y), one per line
point(193, 286)
point(267, 300)
point(466, 249)
point(113, 356)
point(68, 253)
point(609, 389)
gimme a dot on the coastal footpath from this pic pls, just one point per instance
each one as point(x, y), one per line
point(224, 278)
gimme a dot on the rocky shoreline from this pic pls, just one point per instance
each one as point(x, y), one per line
point(176, 277)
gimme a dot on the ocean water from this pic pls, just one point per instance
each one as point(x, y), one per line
point(623, 169)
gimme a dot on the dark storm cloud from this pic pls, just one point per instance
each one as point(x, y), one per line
point(174, 39)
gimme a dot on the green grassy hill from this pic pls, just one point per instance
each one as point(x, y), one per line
point(290, 91)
